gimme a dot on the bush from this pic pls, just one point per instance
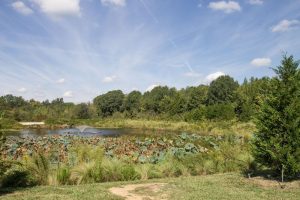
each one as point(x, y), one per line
point(220, 111)
point(128, 173)
point(16, 175)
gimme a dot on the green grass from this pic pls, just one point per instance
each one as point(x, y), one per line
point(219, 186)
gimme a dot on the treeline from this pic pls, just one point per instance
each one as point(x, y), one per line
point(223, 99)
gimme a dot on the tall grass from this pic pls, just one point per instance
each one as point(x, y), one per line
point(89, 165)
point(39, 167)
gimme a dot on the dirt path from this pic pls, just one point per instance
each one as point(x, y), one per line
point(148, 191)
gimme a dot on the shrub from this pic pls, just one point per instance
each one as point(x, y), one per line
point(128, 173)
point(16, 176)
point(220, 111)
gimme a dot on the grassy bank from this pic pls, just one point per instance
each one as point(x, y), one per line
point(219, 186)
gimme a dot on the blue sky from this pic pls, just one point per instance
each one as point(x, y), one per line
point(78, 49)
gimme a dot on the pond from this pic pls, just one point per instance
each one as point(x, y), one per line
point(88, 131)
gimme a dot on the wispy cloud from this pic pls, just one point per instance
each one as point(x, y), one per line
point(149, 11)
point(151, 87)
point(61, 80)
point(109, 79)
point(261, 62)
point(209, 78)
point(285, 25)
point(114, 2)
point(20, 7)
point(68, 94)
point(256, 2)
point(56, 8)
point(22, 90)
point(225, 6)
point(192, 74)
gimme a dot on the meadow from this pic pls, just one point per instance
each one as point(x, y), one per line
point(219, 186)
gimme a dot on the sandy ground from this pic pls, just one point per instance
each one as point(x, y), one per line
point(129, 192)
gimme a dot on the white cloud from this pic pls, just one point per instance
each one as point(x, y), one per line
point(109, 79)
point(256, 2)
point(285, 25)
point(226, 6)
point(22, 90)
point(113, 2)
point(68, 94)
point(261, 62)
point(59, 7)
point(62, 80)
point(151, 87)
point(209, 78)
point(20, 7)
point(192, 74)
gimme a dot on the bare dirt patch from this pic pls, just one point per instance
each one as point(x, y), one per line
point(148, 191)
point(267, 183)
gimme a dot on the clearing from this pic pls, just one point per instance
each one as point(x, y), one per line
point(229, 186)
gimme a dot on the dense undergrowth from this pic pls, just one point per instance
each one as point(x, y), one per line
point(78, 160)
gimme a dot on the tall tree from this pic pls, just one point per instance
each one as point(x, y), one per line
point(132, 103)
point(109, 103)
point(222, 90)
point(196, 96)
point(276, 143)
point(81, 111)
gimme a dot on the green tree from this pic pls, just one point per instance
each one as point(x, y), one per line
point(81, 111)
point(152, 99)
point(276, 143)
point(248, 96)
point(222, 90)
point(196, 96)
point(109, 103)
point(132, 103)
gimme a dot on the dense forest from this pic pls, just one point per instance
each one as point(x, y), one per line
point(223, 99)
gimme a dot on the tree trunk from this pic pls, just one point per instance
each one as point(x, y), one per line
point(282, 173)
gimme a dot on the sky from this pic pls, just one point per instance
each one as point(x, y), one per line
point(78, 49)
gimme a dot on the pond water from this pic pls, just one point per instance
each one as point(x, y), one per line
point(87, 131)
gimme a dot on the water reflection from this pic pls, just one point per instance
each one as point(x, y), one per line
point(88, 131)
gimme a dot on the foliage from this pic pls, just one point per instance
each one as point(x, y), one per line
point(220, 111)
point(109, 103)
point(81, 111)
point(78, 160)
point(160, 103)
point(132, 103)
point(39, 167)
point(277, 141)
point(63, 175)
point(222, 90)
